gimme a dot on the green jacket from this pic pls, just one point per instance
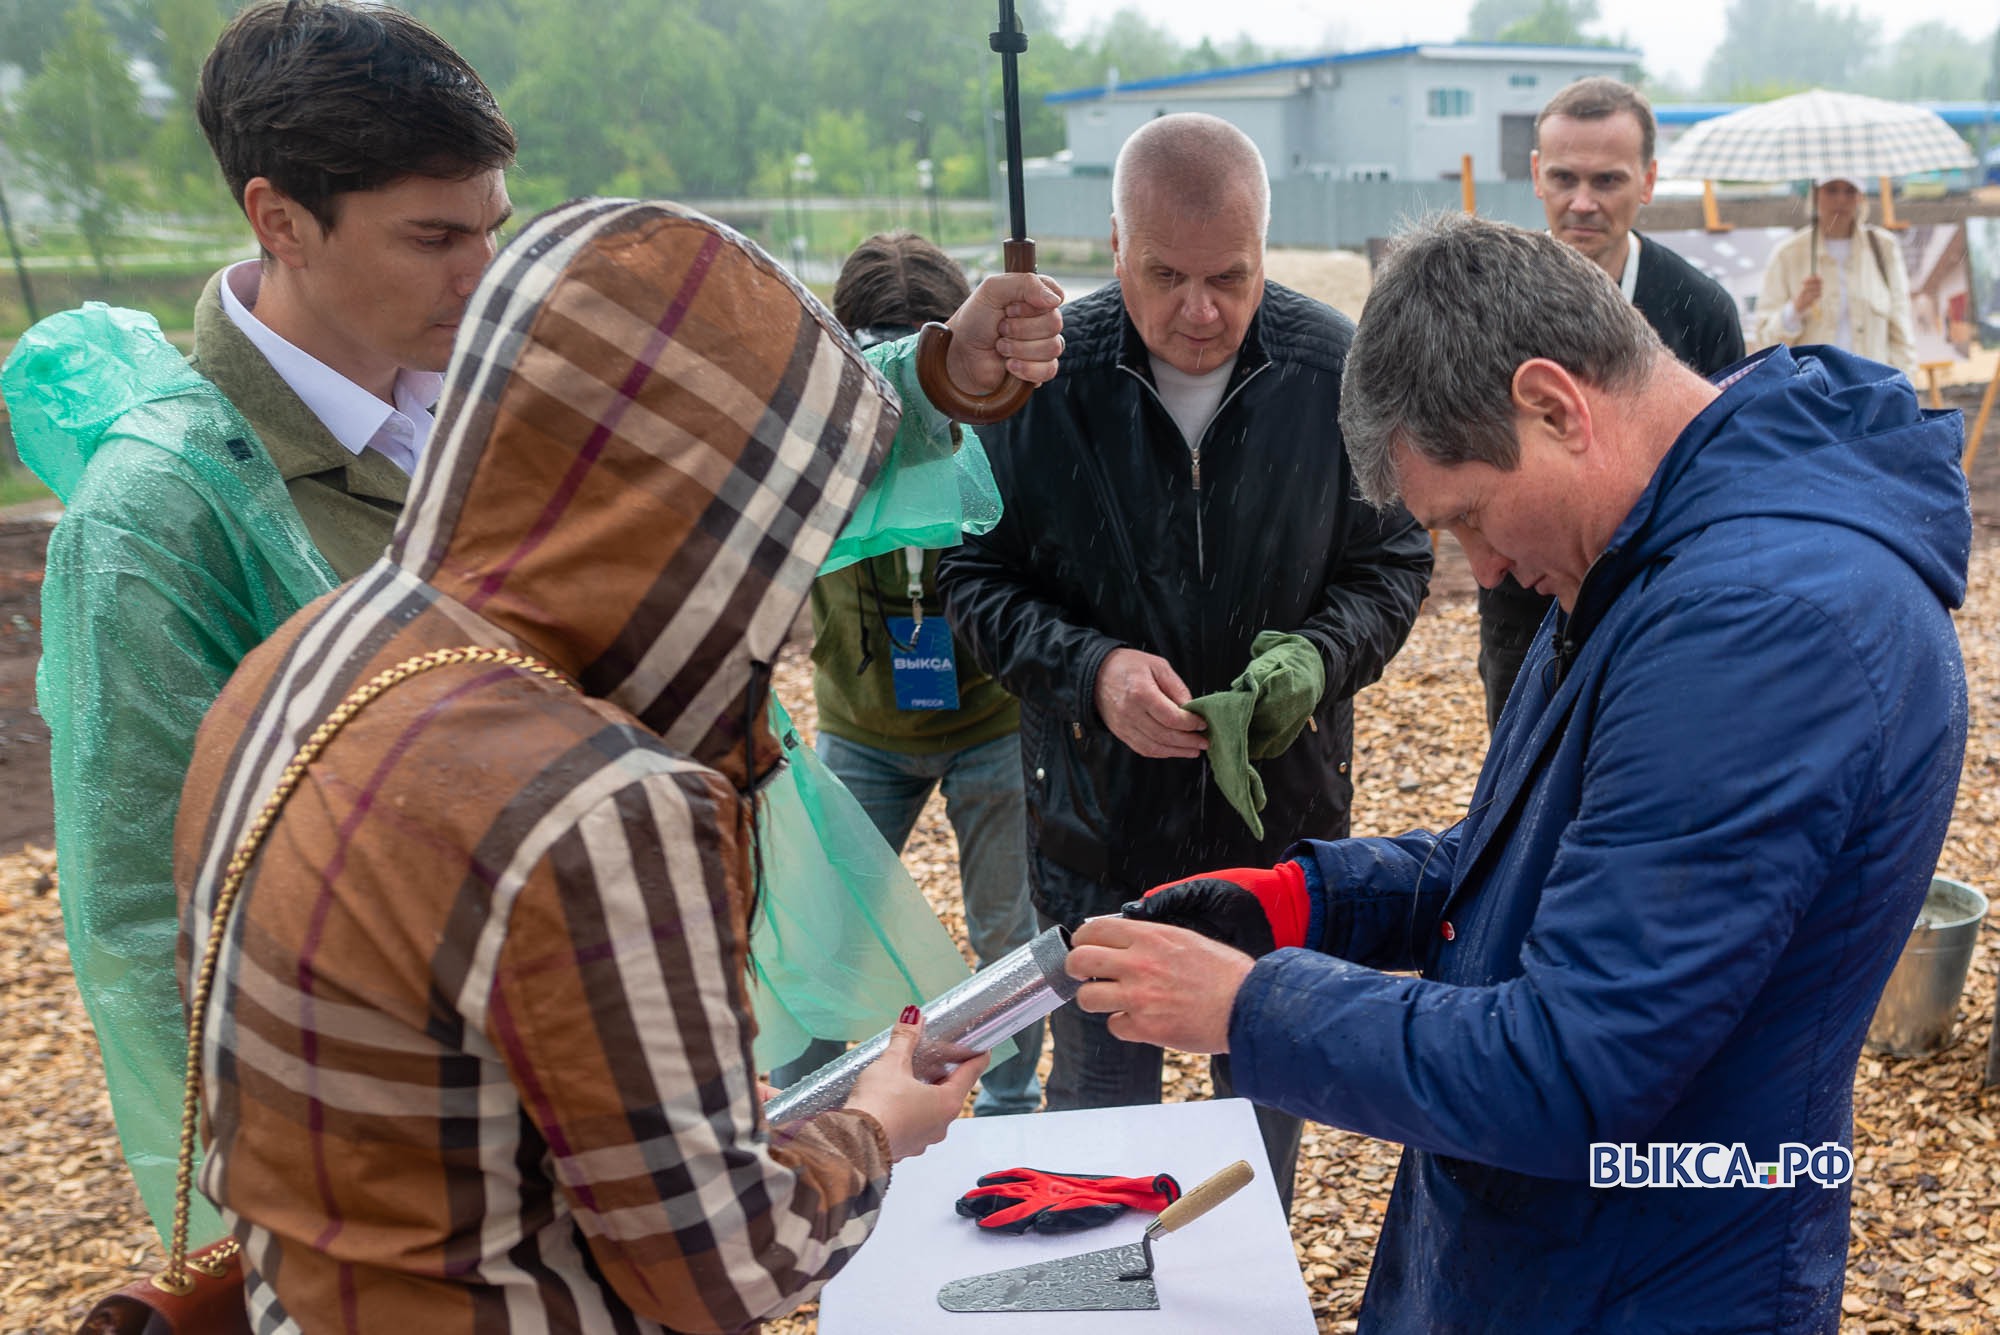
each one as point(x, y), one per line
point(350, 503)
point(860, 705)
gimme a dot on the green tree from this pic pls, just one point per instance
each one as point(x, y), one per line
point(1555, 23)
point(853, 70)
point(698, 97)
point(1489, 18)
point(82, 126)
point(767, 103)
point(1136, 47)
point(624, 99)
point(486, 32)
point(849, 160)
point(1789, 44)
point(1931, 62)
point(28, 28)
point(184, 172)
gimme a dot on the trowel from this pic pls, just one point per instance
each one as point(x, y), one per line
point(1115, 1279)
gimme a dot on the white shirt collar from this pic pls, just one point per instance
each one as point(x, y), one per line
point(1628, 283)
point(356, 418)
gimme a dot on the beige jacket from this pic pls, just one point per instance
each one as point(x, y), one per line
point(1878, 288)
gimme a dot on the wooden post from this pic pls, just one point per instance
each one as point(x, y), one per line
point(1979, 425)
point(1889, 219)
point(1931, 372)
point(1466, 190)
point(1711, 220)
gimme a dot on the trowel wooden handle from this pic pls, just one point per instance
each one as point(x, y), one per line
point(1204, 1198)
point(934, 346)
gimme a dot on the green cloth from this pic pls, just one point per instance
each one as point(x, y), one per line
point(935, 485)
point(179, 551)
point(1260, 715)
point(860, 704)
point(350, 502)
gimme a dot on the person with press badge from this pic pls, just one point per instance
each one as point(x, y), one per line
point(903, 709)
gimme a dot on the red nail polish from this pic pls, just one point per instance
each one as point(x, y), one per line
point(911, 1015)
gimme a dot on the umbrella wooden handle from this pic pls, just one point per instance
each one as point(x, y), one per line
point(934, 346)
point(1204, 1198)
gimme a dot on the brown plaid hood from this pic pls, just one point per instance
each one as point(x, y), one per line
point(649, 437)
point(478, 1057)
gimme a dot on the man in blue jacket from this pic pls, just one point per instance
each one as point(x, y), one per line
point(1706, 823)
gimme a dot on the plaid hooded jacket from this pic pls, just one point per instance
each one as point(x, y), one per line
point(478, 1053)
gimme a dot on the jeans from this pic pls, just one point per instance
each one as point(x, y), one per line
point(1095, 1069)
point(988, 811)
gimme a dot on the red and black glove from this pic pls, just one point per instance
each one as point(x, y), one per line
point(1255, 909)
point(1015, 1200)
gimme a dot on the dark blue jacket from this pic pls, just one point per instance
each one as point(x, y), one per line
point(1703, 831)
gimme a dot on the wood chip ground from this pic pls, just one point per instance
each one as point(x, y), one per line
point(1925, 1249)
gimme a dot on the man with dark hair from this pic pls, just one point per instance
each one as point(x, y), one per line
point(1648, 954)
point(1594, 167)
point(367, 157)
point(369, 160)
point(1180, 517)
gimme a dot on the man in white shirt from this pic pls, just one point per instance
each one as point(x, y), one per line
point(367, 157)
point(369, 160)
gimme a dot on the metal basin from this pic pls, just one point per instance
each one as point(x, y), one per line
point(1920, 1004)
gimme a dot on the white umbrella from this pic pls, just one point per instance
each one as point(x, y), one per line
point(1814, 135)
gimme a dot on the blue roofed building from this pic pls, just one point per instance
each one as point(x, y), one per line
point(1356, 141)
point(1404, 113)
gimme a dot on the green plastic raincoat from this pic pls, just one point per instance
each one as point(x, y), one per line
point(935, 486)
point(178, 553)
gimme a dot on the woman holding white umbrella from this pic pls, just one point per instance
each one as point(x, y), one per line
point(1841, 282)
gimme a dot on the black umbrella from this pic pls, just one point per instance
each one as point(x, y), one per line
point(935, 341)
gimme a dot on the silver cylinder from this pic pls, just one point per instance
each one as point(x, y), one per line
point(996, 1003)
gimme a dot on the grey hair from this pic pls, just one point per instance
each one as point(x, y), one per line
point(1196, 162)
point(1459, 303)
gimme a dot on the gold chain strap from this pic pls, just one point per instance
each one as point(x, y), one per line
point(175, 1279)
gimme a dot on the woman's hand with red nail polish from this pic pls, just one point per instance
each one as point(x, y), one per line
point(913, 1115)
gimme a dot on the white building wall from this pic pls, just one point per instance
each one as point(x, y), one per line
point(1369, 117)
point(1363, 119)
point(1497, 89)
point(1098, 129)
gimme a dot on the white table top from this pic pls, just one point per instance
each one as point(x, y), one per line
point(1232, 1269)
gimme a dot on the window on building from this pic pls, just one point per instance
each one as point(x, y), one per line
point(1450, 103)
point(1522, 80)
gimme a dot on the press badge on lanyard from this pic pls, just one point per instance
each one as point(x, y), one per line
point(920, 653)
